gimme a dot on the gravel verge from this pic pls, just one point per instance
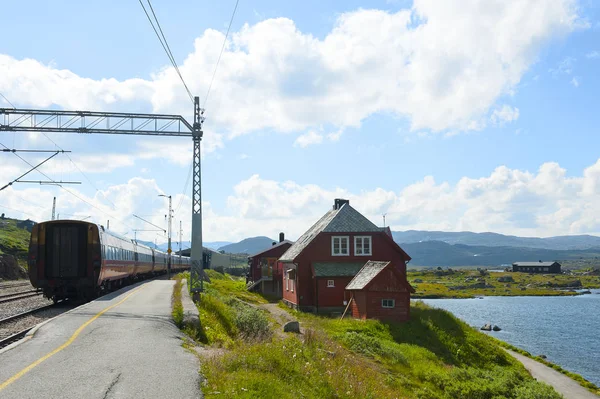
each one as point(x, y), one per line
point(29, 321)
point(22, 305)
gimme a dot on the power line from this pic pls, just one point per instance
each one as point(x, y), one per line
point(6, 99)
point(165, 46)
point(221, 53)
point(185, 187)
point(68, 191)
point(80, 171)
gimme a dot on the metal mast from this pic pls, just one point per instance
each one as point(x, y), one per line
point(86, 122)
point(196, 272)
point(53, 207)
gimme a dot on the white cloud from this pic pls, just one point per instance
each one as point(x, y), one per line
point(593, 54)
point(510, 201)
point(335, 136)
point(564, 67)
point(307, 139)
point(575, 81)
point(505, 114)
point(442, 65)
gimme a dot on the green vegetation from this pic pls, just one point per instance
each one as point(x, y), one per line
point(176, 305)
point(582, 381)
point(13, 240)
point(452, 283)
point(434, 355)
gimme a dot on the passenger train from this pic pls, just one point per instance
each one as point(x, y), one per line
point(76, 259)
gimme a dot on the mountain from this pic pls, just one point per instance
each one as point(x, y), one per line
point(498, 240)
point(249, 246)
point(439, 253)
point(215, 244)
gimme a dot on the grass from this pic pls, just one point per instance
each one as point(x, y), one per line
point(176, 305)
point(434, 355)
point(13, 240)
point(582, 381)
point(451, 283)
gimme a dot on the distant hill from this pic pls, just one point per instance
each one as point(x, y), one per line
point(249, 246)
point(498, 240)
point(216, 244)
point(438, 253)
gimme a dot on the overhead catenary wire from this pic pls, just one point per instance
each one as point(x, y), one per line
point(165, 46)
point(8, 101)
point(80, 171)
point(221, 53)
point(69, 191)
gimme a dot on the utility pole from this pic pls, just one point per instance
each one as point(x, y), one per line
point(108, 225)
point(53, 208)
point(169, 236)
point(384, 219)
point(197, 253)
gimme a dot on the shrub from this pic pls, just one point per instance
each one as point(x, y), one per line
point(251, 323)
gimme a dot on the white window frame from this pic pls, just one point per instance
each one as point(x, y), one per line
point(287, 281)
point(362, 238)
point(347, 238)
point(330, 283)
point(388, 307)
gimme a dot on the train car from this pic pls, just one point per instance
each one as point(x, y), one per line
point(75, 259)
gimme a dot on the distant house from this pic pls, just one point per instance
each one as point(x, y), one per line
point(318, 267)
point(536, 267)
point(26, 224)
point(266, 274)
point(380, 291)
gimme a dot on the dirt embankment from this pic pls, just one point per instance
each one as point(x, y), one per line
point(10, 269)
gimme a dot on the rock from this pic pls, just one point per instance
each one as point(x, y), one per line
point(292, 326)
point(542, 356)
point(418, 280)
point(496, 328)
point(586, 292)
point(10, 269)
point(506, 279)
point(486, 327)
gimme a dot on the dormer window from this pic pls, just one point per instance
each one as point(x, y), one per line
point(340, 246)
point(362, 245)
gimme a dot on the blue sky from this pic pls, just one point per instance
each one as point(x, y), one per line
point(475, 117)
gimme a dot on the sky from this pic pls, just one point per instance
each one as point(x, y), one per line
point(457, 115)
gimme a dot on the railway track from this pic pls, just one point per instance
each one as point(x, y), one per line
point(19, 295)
point(13, 285)
point(14, 318)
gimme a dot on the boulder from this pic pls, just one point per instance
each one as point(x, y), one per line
point(10, 269)
point(496, 328)
point(486, 327)
point(292, 326)
point(506, 279)
point(542, 356)
point(586, 292)
point(418, 280)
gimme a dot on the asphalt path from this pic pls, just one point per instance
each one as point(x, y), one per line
point(562, 384)
point(123, 345)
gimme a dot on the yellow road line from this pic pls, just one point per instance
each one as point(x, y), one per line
point(63, 346)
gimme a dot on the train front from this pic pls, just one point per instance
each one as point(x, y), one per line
point(65, 259)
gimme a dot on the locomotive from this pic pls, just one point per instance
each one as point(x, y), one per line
point(72, 259)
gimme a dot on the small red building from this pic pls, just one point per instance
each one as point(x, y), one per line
point(322, 262)
point(265, 273)
point(379, 291)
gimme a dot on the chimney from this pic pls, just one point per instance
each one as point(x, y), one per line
point(281, 237)
point(274, 243)
point(339, 202)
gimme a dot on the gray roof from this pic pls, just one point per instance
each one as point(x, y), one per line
point(366, 274)
point(271, 247)
point(336, 269)
point(533, 264)
point(343, 220)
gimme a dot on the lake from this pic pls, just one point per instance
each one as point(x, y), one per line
point(565, 329)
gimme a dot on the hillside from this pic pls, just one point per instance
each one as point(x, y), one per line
point(13, 240)
point(498, 240)
point(438, 253)
point(249, 246)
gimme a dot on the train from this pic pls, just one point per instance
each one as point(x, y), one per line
point(72, 259)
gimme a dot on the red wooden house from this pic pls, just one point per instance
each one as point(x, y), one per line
point(380, 291)
point(265, 273)
point(322, 262)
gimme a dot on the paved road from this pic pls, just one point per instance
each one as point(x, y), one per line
point(132, 350)
point(564, 385)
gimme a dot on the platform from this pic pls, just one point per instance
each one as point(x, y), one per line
point(123, 345)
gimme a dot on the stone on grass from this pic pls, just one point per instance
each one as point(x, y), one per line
point(292, 326)
point(486, 327)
